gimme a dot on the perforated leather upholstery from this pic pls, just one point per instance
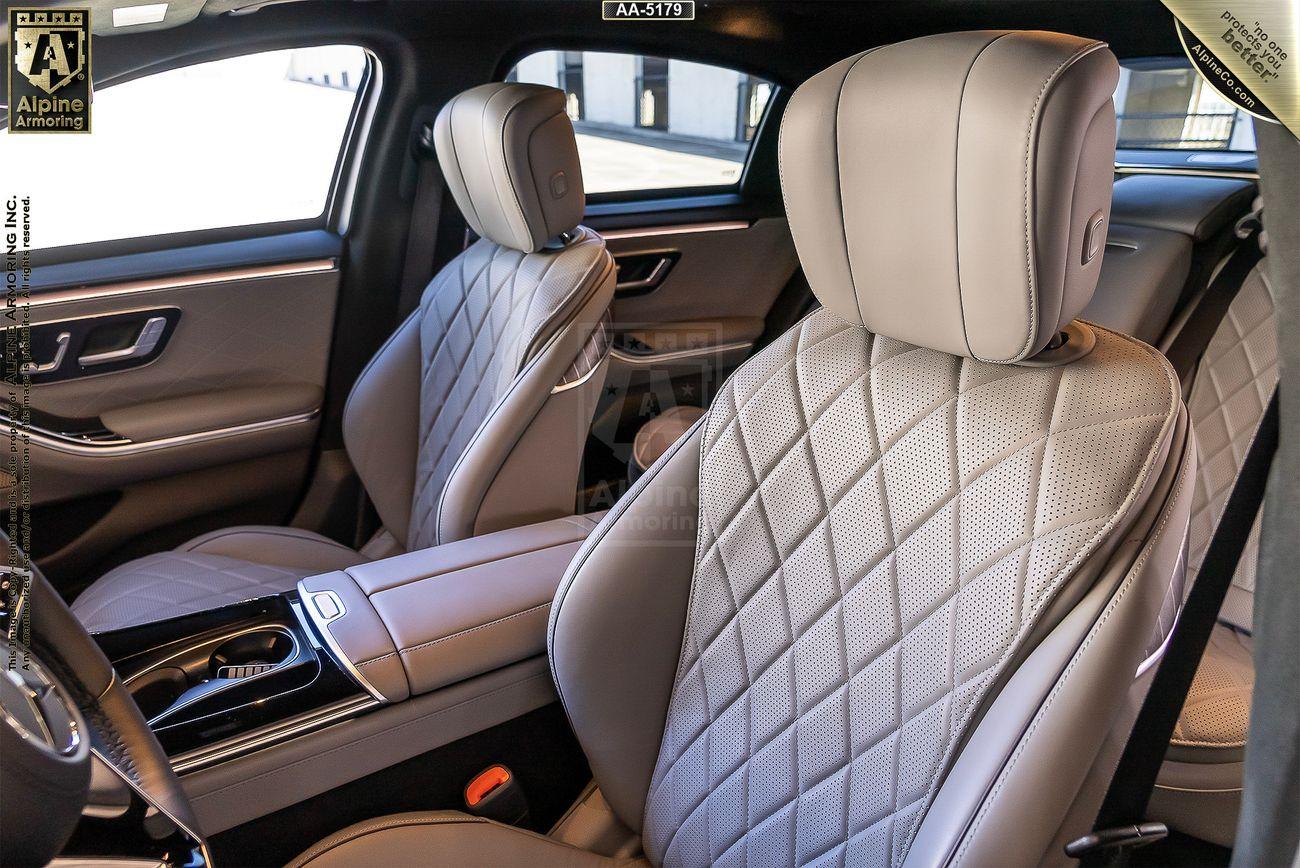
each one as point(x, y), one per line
point(460, 403)
point(879, 575)
point(1233, 385)
point(881, 527)
point(1199, 787)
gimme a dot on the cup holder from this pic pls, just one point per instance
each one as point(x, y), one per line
point(157, 689)
point(250, 654)
point(194, 678)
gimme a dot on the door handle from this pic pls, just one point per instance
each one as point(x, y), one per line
point(650, 281)
point(61, 343)
point(643, 272)
point(144, 344)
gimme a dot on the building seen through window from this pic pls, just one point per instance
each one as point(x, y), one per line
point(648, 123)
point(1163, 103)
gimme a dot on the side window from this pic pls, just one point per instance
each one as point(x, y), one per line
point(653, 123)
point(236, 142)
point(1161, 103)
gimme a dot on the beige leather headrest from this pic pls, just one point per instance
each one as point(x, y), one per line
point(953, 191)
point(511, 162)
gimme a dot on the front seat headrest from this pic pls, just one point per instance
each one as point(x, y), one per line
point(953, 191)
point(510, 160)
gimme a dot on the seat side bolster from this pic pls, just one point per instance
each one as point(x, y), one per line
point(617, 623)
point(381, 426)
point(1042, 733)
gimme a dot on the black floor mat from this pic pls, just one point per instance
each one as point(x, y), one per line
point(1180, 850)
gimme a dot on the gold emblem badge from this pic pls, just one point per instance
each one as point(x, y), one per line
point(49, 77)
point(50, 48)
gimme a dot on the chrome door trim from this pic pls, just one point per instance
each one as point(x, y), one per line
point(681, 229)
point(115, 448)
point(159, 284)
point(1140, 169)
point(677, 355)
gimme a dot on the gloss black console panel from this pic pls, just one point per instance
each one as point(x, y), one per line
point(232, 675)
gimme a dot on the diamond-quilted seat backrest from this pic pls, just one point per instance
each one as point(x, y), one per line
point(1234, 383)
point(926, 489)
point(880, 525)
point(480, 320)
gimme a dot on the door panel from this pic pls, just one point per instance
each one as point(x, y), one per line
point(726, 269)
point(220, 417)
point(237, 329)
point(676, 343)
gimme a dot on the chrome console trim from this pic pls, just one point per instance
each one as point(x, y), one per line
point(321, 621)
point(206, 756)
point(216, 641)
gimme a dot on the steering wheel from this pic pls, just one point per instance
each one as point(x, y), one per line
point(63, 681)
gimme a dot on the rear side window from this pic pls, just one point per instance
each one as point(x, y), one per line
point(1161, 103)
point(653, 123)
point(246, 140)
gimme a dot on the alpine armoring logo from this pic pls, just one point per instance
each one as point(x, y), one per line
point(51, 55)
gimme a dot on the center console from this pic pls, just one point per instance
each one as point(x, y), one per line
point(222, 682)
point(239, 680)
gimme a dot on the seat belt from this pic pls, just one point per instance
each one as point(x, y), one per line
point(426, 208)
point(1120, 825)
point(1185, 351)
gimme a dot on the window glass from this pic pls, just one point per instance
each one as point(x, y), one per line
point(247, 140)
point(650, 123)
point(1162, 103)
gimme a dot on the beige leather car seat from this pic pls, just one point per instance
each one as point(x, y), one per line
point(1199, 788)
point(473, 416)
point(886, 603)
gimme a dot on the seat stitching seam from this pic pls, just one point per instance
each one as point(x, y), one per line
point(458, 634)
point(1130, 579)
point(493, 411)
point(1031, 324)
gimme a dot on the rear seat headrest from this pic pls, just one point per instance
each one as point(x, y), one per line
point(510, 159)
point(953, 191)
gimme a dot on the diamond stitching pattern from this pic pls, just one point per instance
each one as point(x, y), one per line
point(1234, 382)
point(478, 319)
point(176, 583)
point(879, 526)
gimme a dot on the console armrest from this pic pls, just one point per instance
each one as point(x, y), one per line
point(419, 621)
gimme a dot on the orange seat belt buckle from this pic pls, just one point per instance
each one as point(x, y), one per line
point(484, 783)
point(495, 793)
